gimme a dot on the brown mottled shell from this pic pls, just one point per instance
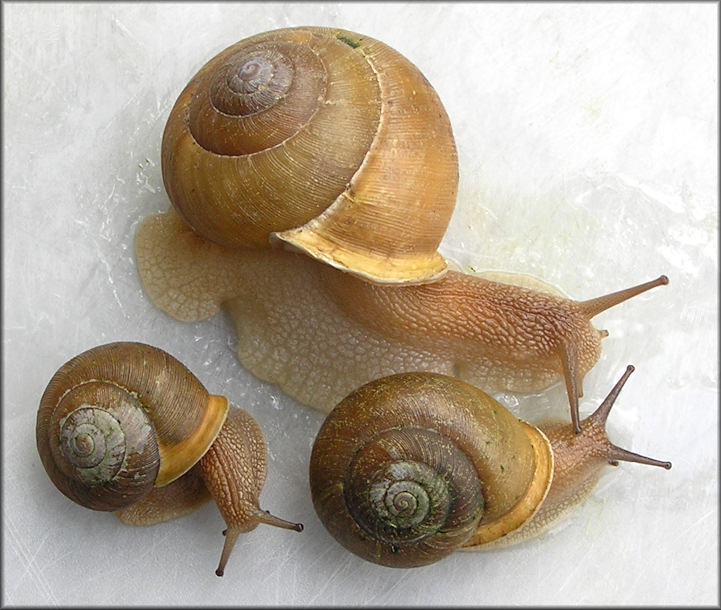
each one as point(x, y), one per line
point(322, 139)
point(411, 467)
point(121, 418)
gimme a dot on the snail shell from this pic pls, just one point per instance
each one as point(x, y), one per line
point(108, 430)
point(412, 467)
point(322, 139)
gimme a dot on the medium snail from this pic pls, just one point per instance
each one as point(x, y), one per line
point(126, 427)
point(371, 296)
point(412, 467)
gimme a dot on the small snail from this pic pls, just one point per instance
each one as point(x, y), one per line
point(412, 467)
point(126, 427)
point(246, 170)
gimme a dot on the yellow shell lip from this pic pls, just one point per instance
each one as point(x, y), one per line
point(376, 268)
point(529, 504)
point(176, 460)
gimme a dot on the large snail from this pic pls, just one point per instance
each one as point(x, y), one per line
point(126, 427)
point(372, 137)
point(409, 468)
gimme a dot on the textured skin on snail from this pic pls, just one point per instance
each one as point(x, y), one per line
point(322, 139)
point(319, 333)
point(412, 467)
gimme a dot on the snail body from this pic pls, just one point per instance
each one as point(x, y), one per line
point(126, 427)
point(319, 333)
point(412, 467)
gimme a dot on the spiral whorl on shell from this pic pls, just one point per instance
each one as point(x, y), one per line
point(320, 138)
point(409, 468)
point(121, 418)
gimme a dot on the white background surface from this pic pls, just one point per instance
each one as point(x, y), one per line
point(587, 138)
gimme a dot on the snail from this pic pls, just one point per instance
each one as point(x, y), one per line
point(360, 290)
point(126, 427)
point(411, 467)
